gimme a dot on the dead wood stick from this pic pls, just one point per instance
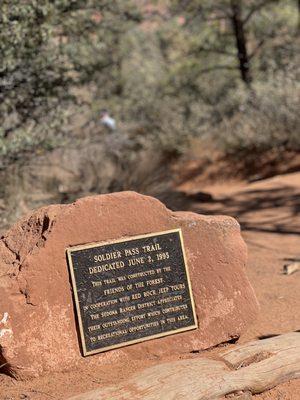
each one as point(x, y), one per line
point(289, 269)
point(206, 379)
point(271, 346)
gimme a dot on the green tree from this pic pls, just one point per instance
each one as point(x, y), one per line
point(235, 31)
point(50, 51)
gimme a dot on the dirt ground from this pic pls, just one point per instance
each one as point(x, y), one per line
point(268, 212)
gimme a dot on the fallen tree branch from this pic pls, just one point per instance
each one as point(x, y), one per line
point(253, 367)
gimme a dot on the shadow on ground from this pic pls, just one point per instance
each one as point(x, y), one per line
point(269, 210)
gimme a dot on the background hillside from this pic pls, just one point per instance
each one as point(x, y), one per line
point(190, 80)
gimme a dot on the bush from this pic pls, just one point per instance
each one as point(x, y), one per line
point(266, 118)
point(108, 162)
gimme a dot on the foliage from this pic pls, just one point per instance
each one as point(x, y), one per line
point(270, 121)
point(48, 49)
point(205, 73)
point(167, 70)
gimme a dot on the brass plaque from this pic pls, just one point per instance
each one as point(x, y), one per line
point(131, 290)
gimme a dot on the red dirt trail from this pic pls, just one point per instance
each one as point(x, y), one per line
point(269, 214)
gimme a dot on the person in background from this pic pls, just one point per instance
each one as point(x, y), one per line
point(107, 120)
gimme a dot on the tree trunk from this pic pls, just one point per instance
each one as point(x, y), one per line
point(241, 41)
point(298, 28)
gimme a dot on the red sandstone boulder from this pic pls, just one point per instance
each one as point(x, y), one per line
point(38, 332)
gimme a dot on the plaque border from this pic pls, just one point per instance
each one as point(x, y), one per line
point(75, 248)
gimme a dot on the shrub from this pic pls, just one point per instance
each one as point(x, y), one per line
point(267, 118)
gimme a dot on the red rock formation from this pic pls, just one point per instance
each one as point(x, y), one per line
point(38, 332)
